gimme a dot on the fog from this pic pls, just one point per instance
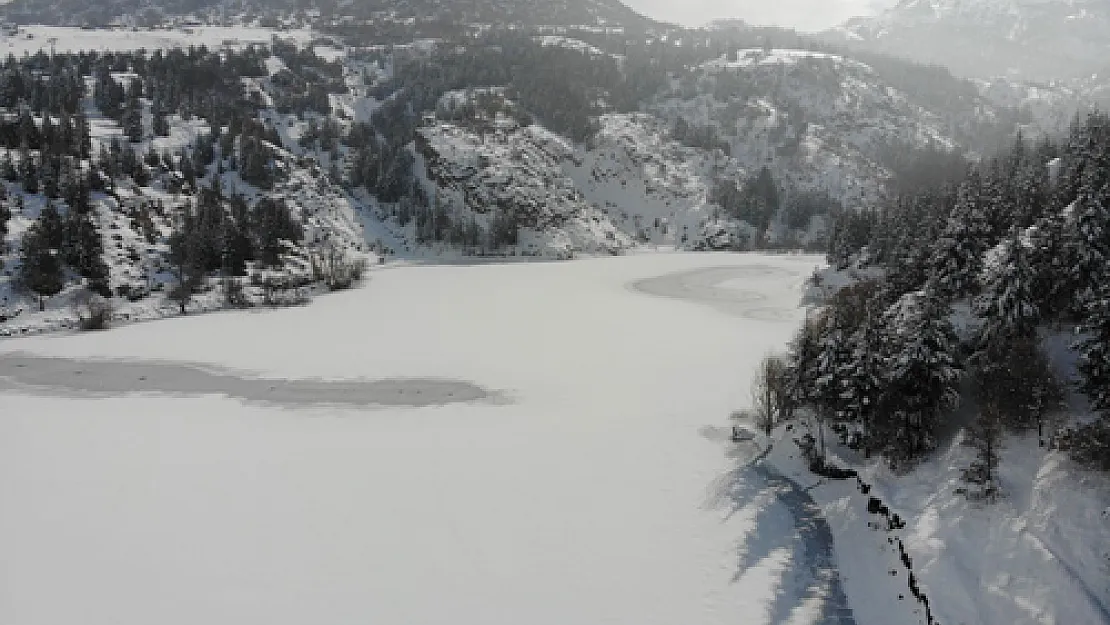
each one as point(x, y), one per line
point(807, 15)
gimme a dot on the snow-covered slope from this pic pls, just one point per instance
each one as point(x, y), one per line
point(512, 174)
point(1041, 39)
point(652, 187)
point(1038, 555)
point(819, 121)
point(632, 183)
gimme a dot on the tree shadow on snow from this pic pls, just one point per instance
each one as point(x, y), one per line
point(784, 519)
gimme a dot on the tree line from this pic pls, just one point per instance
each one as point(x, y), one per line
point(1021, 244)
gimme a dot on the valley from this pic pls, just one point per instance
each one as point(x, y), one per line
point(546, 311)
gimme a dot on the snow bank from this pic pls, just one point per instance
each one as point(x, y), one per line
point(1039, 555)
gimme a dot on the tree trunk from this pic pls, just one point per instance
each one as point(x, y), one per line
point(821, 434)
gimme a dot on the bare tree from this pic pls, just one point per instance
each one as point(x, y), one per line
point(336, 269)
point(769, 393)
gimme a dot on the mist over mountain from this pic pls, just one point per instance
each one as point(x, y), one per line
point(1028, 39)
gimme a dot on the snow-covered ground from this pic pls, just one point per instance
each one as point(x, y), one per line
point(589, 492)
point(1039, 555)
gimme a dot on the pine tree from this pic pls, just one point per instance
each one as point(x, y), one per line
point(1048, 263)
point(160, 124)
point(1013, 375)
point(5, 216)
point(1087, 244)
point(7, 167)
point(922, 376)
point(83, 250)
point(41, 270)
point(238, 244)
point(833, 354)
point(1094, 349)
point(985, 436)
point(28, 172)
point(272, 223)
point(185, 260)
point(1008, 305)
point(863, 385)
point(132, 122)
point(956, 258)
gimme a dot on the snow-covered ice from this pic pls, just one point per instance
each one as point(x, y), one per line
point(108, 378)
point(587, 495)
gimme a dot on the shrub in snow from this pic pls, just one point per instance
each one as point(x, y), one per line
point(336, 270)
point(132, 292)
point(94, 312)
point(234, 294)
point(283, 290)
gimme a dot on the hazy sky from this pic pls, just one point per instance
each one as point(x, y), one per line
point(801, 14)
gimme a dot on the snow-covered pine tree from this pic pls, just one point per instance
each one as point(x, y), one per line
point(1094, 348)
point(1087, 243)
point(863, 383)
point(1047, 260)
point(922, 379)
point(985, 436)
point(1008, 305)
point(802, 358)
point(1089, 444)
point(833, 360)
point(41, 270)
point(957, 256)
point(1014, 376)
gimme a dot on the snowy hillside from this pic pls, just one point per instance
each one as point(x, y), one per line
point(61, 39)
point(652, 187)
point(159, 173)
point(1037, 556)
point(370, 148)
point(819, 121)
point(506, 178)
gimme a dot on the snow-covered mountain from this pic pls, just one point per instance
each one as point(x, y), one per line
point(504, 185)
point(1039, 39)
point(530, 12)
point(441, 147)
point(819, 121)
point(821, 125)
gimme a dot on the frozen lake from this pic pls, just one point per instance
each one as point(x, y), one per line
point(577, 484)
